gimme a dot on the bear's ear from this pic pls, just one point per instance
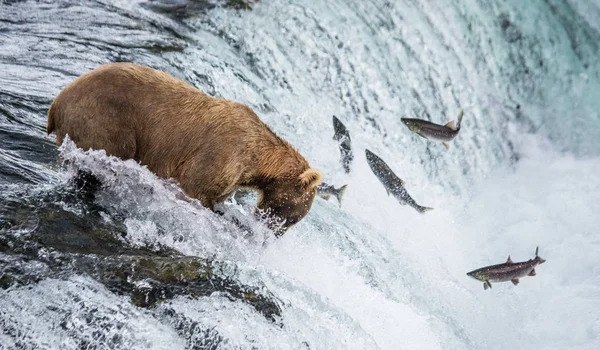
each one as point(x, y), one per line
point(310, 178)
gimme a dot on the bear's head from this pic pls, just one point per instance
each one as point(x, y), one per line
point(289, 200)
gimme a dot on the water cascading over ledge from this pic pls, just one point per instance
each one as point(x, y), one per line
point(372, 274)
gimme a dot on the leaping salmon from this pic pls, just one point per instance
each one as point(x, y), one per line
point(435, 132)
point(325, 191)
point(342, 136)
point(392, 183)
point(509, 271)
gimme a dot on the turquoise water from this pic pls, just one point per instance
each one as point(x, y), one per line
point(373, 274)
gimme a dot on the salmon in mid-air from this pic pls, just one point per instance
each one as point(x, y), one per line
point(342, 136)
point(392, 183)
point(325, 191)
point(435, 132)
point(509, 271)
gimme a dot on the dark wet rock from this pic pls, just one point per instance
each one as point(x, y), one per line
point(197, 336)
point(6, 281)
point(61, 243)
point(181, 9)
point(240, 4)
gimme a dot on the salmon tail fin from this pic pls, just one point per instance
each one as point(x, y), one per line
point(423, 210)
point(51, 112)
point(537, 257)
point(460, 116)
point(340, 194)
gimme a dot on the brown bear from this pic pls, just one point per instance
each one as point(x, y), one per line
point(211, 146)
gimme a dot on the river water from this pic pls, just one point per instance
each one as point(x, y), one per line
point(524, 172)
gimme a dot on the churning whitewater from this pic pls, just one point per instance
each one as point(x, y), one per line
point(140, 265)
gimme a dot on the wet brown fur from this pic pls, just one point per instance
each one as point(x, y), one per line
point(211, 146)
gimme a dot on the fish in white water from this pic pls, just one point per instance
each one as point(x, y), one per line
point(325, 191)
point(392, 183)
point(342, 136)
point(435, 132)
point(509, 271)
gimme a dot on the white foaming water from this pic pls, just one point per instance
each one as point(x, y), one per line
point(50, 313)
point(380, 272)
point(158, 213)
point(375, 274)
point(405, 281)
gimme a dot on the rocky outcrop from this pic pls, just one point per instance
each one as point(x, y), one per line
point(62, 243)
